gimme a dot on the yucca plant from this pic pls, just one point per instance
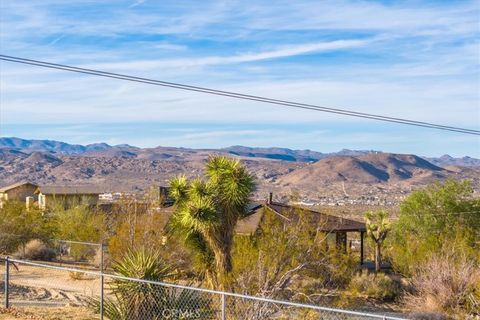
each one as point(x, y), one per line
point(208, 210)
point(136, 300)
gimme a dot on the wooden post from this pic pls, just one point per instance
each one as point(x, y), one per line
point(7, 282)
point(361, 247)
point(341, 241)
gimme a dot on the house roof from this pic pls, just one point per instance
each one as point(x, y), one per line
point(16, 185)
point(324, 222)
point(68, 190)
point(250, 223)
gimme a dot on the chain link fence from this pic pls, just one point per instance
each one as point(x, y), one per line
point(107, 296)
point(78, 253)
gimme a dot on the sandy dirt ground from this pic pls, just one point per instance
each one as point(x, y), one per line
point(46, 294)
point(40, 313)
point(31, 284)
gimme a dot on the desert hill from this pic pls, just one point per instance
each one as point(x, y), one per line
point(365, 169)
point(125, 168)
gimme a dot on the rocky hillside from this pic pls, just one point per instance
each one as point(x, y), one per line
point(127, 168)
point(367, 169)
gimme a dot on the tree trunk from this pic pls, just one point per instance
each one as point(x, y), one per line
point(378, 257)
point(221, 248)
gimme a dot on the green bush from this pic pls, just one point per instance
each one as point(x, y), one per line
point(18, 226)
point(429, 218)
point(378, 286)
point(80, 224)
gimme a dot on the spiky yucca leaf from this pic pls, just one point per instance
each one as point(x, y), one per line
point(231, 180)
point(134, 300)
point(179, 188)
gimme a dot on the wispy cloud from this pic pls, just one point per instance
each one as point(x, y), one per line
point(54, 41)
point(170, 46)
point(136, 3)
point(283, 52)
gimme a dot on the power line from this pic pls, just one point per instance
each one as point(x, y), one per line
point(237, 95)
point(452, 213)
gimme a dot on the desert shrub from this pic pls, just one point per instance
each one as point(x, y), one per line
point(137, 229)
point(36, 250)
point(447, 283)
point(338, 270)
point(19, 225)
point(76, 275)
point(431, 217)
point(82, 252)
point(378, 286)
point(287, 260)
point(78, 223)
point(148, 230)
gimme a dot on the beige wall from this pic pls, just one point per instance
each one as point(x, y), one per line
point(20, 193)
point(69, 200)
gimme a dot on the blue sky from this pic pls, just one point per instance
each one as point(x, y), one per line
point(410, 59)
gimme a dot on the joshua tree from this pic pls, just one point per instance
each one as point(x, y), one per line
point(208, 210)
point(378, 226)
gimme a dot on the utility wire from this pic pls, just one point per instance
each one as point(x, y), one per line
point(237, 95)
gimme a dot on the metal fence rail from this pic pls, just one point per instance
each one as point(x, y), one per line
point(80, 254)
point(116, 297)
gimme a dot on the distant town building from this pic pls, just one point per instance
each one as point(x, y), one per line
point(159, 195)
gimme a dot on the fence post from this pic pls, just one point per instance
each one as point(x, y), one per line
point(224, 313)
point(101, 281)
point(7, 280)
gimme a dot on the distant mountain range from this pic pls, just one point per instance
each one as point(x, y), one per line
point(125, 150)
point(314, 175)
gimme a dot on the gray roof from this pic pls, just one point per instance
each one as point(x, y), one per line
point(324, 222)
point(70, 190)
point(16, 185)
point(250, 223)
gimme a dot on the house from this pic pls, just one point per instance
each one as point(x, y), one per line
point(159, 195)
point(337, 228)
point(18, 192)
point(67, 196)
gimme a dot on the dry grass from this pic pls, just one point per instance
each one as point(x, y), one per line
point(36, 250)
point(446, 284)
point(377, 286)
